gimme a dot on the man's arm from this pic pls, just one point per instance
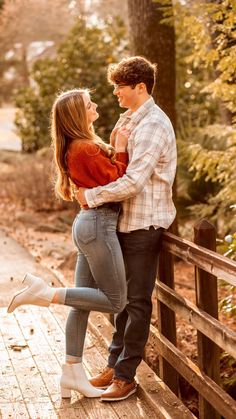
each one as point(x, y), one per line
point(151, 141)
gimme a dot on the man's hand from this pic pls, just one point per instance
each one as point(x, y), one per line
point(80, 196)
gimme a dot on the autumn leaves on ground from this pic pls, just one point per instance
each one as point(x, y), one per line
point(30, 213)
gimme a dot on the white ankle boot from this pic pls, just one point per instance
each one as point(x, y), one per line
point(37, 293)
point(74, 378)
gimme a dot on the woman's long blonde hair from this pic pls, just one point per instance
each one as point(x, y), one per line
point(68, 123)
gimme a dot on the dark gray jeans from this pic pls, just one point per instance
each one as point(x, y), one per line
point(140, 250)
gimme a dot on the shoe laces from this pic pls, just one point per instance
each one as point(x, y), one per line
point(118, 382)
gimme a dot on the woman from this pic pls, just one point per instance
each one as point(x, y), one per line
point(82, 159)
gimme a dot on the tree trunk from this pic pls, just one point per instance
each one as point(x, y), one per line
point(25, 69)
point(225, 114)
point(156, 41)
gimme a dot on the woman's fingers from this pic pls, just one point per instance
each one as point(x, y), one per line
point(113, 136)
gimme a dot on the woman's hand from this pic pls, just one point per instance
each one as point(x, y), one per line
point(113, 137)
point(79, 195)
point(121, 139)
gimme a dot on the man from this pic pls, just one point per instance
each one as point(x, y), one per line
point(145, 192)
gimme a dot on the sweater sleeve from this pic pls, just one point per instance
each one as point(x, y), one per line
point(122, 157)
point(90, 166)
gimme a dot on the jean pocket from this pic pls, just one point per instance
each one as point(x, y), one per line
point(85, 228)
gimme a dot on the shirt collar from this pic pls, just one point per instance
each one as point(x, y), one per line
point(140, 113)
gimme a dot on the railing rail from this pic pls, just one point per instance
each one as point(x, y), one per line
point(208, 260)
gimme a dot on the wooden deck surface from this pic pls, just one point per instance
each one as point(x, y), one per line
point(32, 351)
point(32, 346)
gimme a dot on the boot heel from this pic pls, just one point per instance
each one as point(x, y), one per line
point(65, 393)
point(27, 280)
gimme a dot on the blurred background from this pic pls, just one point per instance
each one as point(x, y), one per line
point(49, 46)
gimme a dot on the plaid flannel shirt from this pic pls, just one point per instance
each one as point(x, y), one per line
point(146, 188)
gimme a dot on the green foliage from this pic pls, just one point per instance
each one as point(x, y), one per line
point(227, 247)
point(32, 119)
point(228, 364)
point(206, 105)
point(81, 61)
point(212, 161)
point(226, 304)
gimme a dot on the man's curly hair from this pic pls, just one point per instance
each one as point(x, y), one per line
point(131, 71)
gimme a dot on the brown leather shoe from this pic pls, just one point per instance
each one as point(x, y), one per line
point(118, 390)
point(104, 379)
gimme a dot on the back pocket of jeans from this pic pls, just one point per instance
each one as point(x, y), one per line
point(84, 229)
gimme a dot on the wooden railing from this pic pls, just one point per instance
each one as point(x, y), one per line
point(212, 335)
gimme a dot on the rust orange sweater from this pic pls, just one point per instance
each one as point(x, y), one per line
point(88, 165)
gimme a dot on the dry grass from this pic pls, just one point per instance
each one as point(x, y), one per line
point(26, 180)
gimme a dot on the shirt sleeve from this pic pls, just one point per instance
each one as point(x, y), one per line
point(150, 142)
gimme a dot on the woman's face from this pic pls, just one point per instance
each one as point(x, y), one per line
point(90, 107)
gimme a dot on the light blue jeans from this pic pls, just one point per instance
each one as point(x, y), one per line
point(100, 281)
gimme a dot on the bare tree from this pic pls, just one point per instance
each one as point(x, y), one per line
point(226, 115)
point(106, 8)
point(23, 22)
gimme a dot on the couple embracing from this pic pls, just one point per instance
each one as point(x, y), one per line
point(125, 193)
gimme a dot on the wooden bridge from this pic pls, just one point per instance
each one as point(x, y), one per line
point(32, 348)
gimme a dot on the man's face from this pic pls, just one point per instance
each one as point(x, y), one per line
point(126, 95)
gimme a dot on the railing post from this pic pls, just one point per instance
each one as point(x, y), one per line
point(206, 299)
point(166, 321)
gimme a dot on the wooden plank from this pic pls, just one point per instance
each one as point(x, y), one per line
point(166, 321)
point(158, 393)
point(11, 399)
point(13, 410)
point(71, 409)
point(9, 389)
point(223, 403)
point(17, 352)
point(29, 378)
point(42, 351)
point(207, 300)
point(214, 329)
point(210, 261)
point(41, 408)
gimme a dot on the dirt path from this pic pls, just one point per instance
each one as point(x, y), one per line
point(8, 138)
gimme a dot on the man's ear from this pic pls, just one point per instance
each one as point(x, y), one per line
point(142, 88)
